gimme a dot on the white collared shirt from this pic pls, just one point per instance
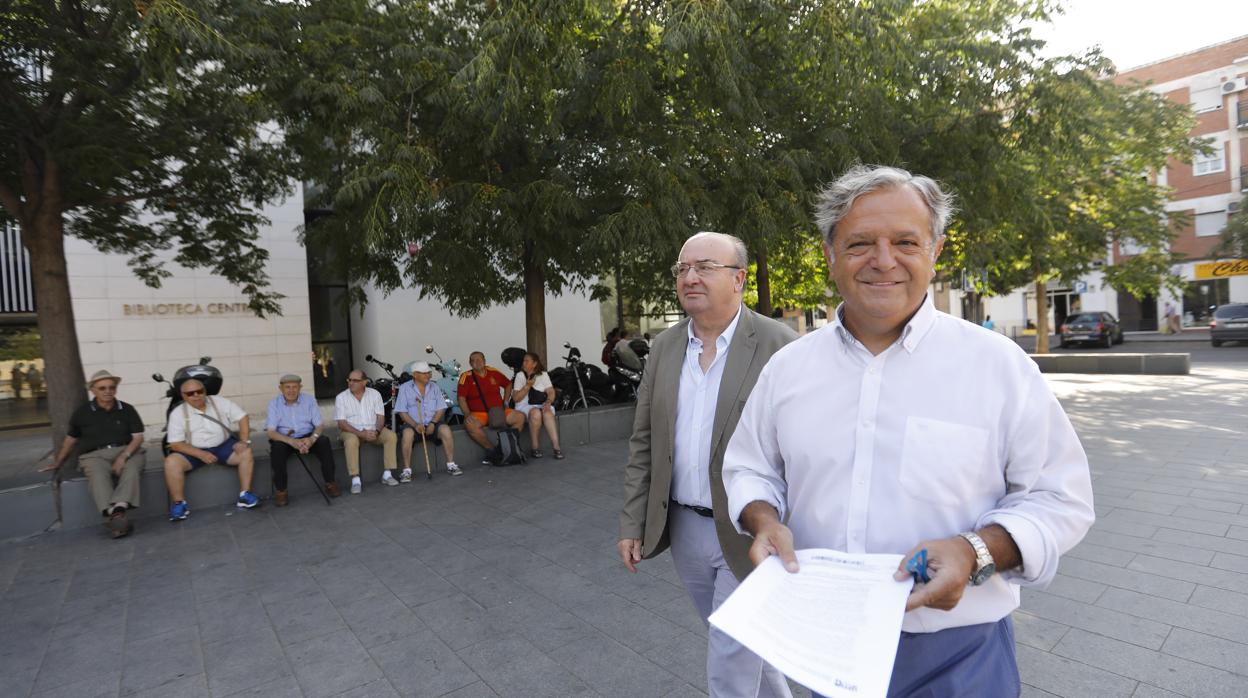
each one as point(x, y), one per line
point(361, 413)
point(204, 433)
point(948, 430)
point(695, 418)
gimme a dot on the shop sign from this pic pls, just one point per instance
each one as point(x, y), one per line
point(1221, 270)
point(183, 309)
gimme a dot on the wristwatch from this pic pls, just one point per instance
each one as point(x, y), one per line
point(248, 442)
point(985, 567)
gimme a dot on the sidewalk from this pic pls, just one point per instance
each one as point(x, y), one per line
point(505, 582)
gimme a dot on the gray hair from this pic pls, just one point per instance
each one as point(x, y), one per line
point(834, 202)
point(738, 247)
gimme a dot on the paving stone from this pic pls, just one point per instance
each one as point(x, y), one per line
point(1157, 547)
point(421, 665)
point(1037, 632)
point(252, 657)
point(1148, 691)
point(331, 664)
point(1207, 649)
point(1180, 615)
point(1155, 567)
point(194, 686)
point(1170, 521)
point(1100, 553)
point(614, 670)
point(1227, 561)
point(1155, 668)
point(1129, 578)
point(380, 688)
point(377, 620)
point(1075, 588)
point(1064, 677)
point(512, 666)
point(285, 687)
point(458, 621)
point(161, 659)
point(299, 617)
point(475, 690)
point(1106, 621)
point(1199, 540)
point(103, 686)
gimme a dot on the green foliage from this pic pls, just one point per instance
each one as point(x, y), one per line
point(145, 129)
point(1234, 242)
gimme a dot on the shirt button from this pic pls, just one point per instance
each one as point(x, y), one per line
point(871, 370)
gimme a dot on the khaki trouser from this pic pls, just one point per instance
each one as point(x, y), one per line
point(98, 467)
point(351, 449)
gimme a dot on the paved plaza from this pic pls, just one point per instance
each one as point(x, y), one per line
point(505, 582)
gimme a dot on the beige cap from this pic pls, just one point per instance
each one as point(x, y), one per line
point(289, 378)
point(102, 374)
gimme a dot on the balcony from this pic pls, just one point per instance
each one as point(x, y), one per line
point(1241, 115)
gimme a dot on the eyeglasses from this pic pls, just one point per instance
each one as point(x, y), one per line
point(107, 387)
point(193, 393)
point(355, 380)
point(702, 268)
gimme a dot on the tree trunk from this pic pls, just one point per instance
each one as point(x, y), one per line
point(43, 235)
point(1042, 317)
point(762, 280)
point(619, 299)
point(534, 304)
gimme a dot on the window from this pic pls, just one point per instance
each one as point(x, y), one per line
point(1208, 99)
point(1209, 164)
point(1208, 224)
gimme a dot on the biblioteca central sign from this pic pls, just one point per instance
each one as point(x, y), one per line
point(184, 309)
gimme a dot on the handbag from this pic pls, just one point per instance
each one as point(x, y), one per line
point(496, 416)
point(536, 397)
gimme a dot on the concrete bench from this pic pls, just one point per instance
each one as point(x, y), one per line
point(28, 510)
point(1137, 364)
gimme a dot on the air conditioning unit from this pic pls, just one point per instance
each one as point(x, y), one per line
point(1235, 85)
point(1232, 208)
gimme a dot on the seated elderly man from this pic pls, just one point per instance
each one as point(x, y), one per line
point(109, 436)
point(481, 390)
point(361, 417)
point(294, 426)
point(201, 432)
point(421, 405)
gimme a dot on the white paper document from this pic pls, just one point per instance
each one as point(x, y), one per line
point(832, 627)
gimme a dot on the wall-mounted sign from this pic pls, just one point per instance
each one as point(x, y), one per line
point(1221, 270)
point(183, 309)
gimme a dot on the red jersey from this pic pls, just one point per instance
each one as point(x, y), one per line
point(494, 384)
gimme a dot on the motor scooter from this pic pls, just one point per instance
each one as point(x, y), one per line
point(207, 374)
point(573, 382)
point(448, 381)
point(388, 387)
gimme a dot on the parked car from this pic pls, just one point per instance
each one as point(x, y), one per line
point(1229, 324)
point(1099, 328)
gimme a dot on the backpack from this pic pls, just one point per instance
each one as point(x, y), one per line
point(509, 447)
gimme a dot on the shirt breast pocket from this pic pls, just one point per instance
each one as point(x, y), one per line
point(945, 463)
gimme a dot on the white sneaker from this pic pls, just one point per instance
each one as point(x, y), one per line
point(355, 487)
point(388, 480)
point(406, 476)
point(453, 469)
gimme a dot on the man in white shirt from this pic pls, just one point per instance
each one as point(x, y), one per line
point(899, 428)
point(199, 433)
point(361, 416)
point(698, 376)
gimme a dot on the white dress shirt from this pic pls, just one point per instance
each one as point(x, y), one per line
point(695, 418)
point(948, 430)
point(204, 433)
point(361, 413)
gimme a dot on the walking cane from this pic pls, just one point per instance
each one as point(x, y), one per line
point(308, 470)
point(424, 446)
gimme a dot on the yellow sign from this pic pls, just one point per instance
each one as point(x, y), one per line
point(1221, 270)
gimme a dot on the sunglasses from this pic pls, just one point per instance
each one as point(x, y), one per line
point(192, 393)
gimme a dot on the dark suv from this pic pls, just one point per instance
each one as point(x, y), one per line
point(1098, 328)
point(1229, 324)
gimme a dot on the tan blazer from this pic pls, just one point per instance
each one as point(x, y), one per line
point(648, 475)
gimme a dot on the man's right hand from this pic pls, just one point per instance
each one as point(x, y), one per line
point(368, 435)
point(50, 466)
point(630, 552)
point(208, 457)
point(472, 421)
point(774, 539)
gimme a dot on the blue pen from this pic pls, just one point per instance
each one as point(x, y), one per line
point(917, 567)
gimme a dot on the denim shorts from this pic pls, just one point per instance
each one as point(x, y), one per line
point(222, 451)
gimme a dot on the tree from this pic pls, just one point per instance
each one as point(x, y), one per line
point(1075, 185)
point(140, 132)
point(1234, 242)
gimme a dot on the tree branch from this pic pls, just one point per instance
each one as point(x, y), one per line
point(12, 203)
point(131, 198)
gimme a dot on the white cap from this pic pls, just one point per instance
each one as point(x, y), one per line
point(421, 367)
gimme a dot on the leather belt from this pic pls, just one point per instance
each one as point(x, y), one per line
point(101, 448)
point(700, 511)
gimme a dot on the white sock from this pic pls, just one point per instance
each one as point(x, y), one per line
point(451, 464)
point(355, 479)
point(387, 476)
point(407, 471)
point(242, 493)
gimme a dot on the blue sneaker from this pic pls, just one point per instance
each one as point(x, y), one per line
point(179, 510)
point(247, 500)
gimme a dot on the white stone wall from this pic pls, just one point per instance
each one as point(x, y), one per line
point(251, 352)
point(397, 327)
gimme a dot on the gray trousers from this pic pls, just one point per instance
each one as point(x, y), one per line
point(98, 467)
point(732, 671)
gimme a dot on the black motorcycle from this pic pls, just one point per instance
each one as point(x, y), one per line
point(627, 369)
point(578, 384)
point(388, 387)
point(203, 372)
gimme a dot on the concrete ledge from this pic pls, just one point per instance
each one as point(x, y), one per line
point(1150, 364)
point(29, 510)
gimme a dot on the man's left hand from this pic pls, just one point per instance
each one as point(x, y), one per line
point(119, 463)
point(950, 562)
point(240, 446)
point(305, 444)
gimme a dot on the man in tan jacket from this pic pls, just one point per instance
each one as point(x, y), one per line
point(699, 374)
